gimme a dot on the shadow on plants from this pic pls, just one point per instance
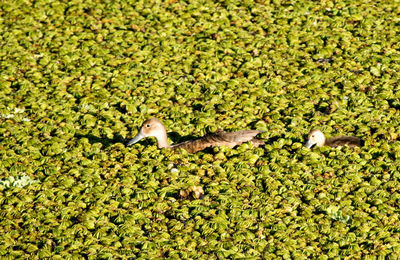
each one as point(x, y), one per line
point(103, 140)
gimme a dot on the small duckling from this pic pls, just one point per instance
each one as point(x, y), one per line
point(317, 138)
point(154, 127)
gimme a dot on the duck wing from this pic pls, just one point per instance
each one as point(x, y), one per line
point(192, 146)
point(230, 139)
point(350, 141)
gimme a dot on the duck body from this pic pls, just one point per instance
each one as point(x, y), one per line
point(154, 127)
point(317, 138)
point(350, 141)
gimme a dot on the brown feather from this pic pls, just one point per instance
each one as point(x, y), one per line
point(221, 138)
point(350, 141)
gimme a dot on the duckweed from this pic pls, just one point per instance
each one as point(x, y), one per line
point(79, 77)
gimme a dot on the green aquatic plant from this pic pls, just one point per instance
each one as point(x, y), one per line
point(17, 181)
point(78, 78)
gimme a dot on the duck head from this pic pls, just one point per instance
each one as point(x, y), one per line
point(152, 127)
point(315, 137)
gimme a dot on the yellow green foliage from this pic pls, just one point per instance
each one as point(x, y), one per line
point(77, 79)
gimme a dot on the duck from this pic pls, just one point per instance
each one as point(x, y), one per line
point(154, 127)
point(317, 138)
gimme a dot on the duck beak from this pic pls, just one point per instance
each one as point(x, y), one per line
point(308, 144)
point(137, 138)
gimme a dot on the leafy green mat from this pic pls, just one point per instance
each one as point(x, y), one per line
point(77, 79)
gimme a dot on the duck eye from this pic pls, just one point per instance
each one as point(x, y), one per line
point(147, 125)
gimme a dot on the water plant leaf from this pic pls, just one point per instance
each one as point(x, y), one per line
point(79, 77)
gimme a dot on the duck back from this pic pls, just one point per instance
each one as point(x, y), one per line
point(221, 138)
point(350, 141)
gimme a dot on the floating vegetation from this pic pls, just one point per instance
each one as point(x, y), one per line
point(196, 191)
point(13, 113)
point(19, 181)
point(78, 78)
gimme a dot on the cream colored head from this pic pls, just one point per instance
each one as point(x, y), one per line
point(315, 137)
point(152, 127)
